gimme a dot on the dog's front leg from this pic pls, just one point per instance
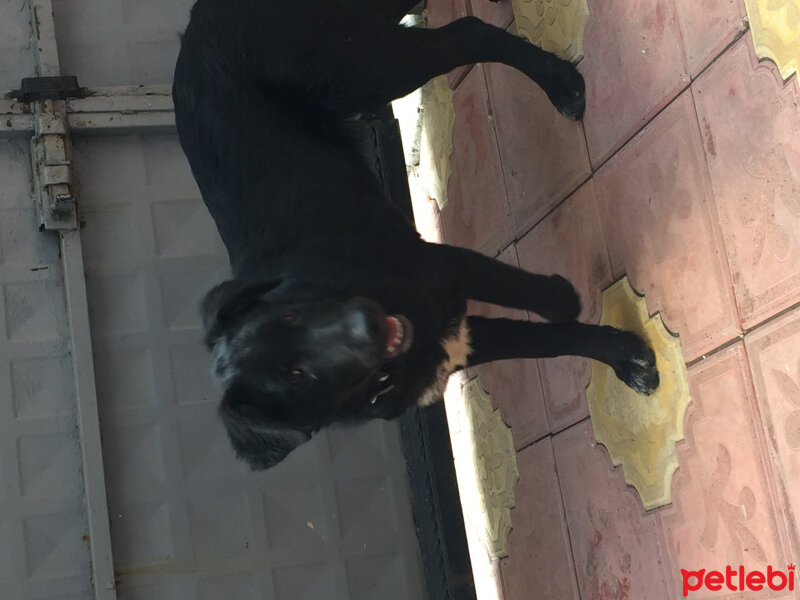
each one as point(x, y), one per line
point(488, 280)
point(625, 352)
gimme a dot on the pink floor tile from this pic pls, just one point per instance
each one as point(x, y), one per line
point(774, 352)
point(543, 154)
point(497, 13)
point(476, 214)
point(633, 64)
point(707, 27)
point(514, 385)
point(569, 242)
point(751, 128)
point(723, 511)
point(539, 562)
point(661, 229)
point(441, 12)
point(618, 548)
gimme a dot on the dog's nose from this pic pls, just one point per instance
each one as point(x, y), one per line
point(363, 321)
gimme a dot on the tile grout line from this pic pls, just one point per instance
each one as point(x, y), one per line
point(773, 472)
point(681, 91)
point(462, 75)
point(468, 68)
point(771, 318)
point(565, 520)
point(566, 197)
point(739, 35)
point(492, 122)
point(716, 226)
point(740, 338)
point(551, 434)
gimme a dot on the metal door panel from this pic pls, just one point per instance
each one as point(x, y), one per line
point(116, 43)
point(16, 59)
point(43, 527)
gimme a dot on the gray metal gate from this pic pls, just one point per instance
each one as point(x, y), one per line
point(116, 479)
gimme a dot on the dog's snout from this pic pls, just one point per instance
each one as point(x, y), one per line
point(363, 321)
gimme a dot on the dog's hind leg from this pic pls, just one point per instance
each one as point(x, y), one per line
point(498, 339)
point(427, 53)
point(487, 280)
point(361, 65)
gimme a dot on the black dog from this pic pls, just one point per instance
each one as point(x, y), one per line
point(338, 311)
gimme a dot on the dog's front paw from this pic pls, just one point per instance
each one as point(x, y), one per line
point(566, 89)
point(636, 363)
point(564, 304)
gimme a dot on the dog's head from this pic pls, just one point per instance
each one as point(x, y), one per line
point(288, 369)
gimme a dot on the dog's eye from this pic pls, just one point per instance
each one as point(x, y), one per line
point(294, 376)
point(289, 318)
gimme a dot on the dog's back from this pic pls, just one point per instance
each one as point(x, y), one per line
point(256, 136)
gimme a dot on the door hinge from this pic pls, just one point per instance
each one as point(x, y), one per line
point(51, 154)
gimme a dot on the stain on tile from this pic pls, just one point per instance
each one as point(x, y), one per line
point(618, 547)
point(638, 431)
point(707, 28)
point(774, 353)
point(543, 153)
point(634, 65)
point(751, 128)
point(539, 556)
point(477, 214)
point(723, 511)
point(662, 229)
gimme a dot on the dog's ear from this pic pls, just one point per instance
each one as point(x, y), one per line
point(230, 299)
point(262, 442)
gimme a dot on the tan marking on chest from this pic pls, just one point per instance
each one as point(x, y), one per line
point(458, 349)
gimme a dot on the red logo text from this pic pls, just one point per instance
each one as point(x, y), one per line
point(738, 580)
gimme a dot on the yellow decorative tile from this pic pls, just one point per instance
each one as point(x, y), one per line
point(486, 465)
point(436, 143)
point(638, 431)
point(554, 25)
point(776, 32)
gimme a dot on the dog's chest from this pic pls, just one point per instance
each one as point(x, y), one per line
point(457, 349)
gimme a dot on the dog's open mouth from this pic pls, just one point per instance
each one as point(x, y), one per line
point(399, 334)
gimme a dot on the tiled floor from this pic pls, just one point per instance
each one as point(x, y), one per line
point(684, 175)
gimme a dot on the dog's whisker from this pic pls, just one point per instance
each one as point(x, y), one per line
point(385, 390)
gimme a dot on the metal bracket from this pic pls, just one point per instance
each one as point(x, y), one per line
point(51, 153)
point(60, 87)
